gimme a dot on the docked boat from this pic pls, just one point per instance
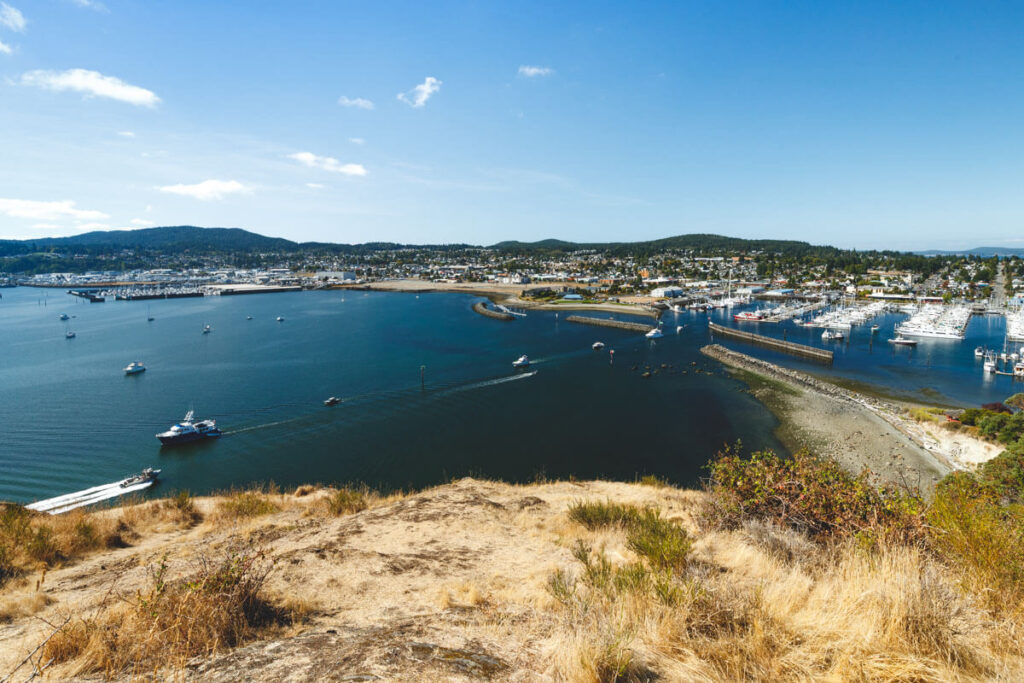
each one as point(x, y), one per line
point(63, 316)
point(990, 363)
point(332, 401)
point(1018, 369)
point(189, 430)
point(831, 335)
point(748, 316)
point(148, 474)
point(134, 368)
point(597, 346)
point(655, 333)
point(521, 362)
point(903, 341)
point(979, 352)
point(206, 329)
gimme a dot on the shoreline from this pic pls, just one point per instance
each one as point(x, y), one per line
point(856, 430)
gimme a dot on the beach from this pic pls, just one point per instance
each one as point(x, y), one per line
point(856, 430)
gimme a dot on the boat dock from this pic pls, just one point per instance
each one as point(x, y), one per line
point(96, 494)
point(607, 322)
point(481, 308)
point(786, 312)
point(770, 343)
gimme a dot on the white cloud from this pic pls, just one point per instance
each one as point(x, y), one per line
point(126, 133)
point(357, 102)
point(418, 96)
point(357, 141)
point(315, 186)
point(5, 48)
point(327, 164)
point(46, 211)
point(91, 4)
point(85, 227)
point(47, 226)
point(11, 18)
point(534, 71)
point(141, 222)
point(92, 84)
point(208, 189)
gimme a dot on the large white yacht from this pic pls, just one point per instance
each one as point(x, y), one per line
point(189, 430)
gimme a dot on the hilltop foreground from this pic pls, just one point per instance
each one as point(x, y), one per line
point(564, 581)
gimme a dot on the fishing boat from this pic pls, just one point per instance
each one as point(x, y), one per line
point(597, 346)
point(903, 341)
point(655, 333)
point(332, 401)
point(521, 362)
point(134, 368)
point(189, 430)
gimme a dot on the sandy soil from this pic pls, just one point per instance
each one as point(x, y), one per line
point(855, 430)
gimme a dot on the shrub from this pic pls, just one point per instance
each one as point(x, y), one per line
point(346, 501)
point(245, 504)
point(662, 542)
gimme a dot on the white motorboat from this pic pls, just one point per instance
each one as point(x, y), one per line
point(521, 362)
point(655, 333)
point(189, 430)
point(134, 368)
point(146, 475)
point(874, 328)
point(63, 316)
point(903, 341)
point(597, 346)
point(831, 335)
point(248, 317)
point(280, 319)
point(979, 352)
point(990, 363)
point(69, 335)
point(1018, 369)
point(332, 401)
point(206, 329)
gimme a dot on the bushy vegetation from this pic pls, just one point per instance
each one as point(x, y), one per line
point(663, 543)
point(244, 504)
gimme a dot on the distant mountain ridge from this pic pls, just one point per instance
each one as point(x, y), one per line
point(177, 236)
point(984, 252)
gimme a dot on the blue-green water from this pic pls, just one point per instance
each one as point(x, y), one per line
point(71, 419)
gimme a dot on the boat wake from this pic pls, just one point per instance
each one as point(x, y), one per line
point(486, 383)
point(96, 494)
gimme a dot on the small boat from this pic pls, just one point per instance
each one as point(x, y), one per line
point(655, 333)
point(874, 328)
point(280, 319)
point(979, 351)
point(679, 328)
point(148, 474)
point(903, 341)
point(69, 335)
point(521, 362)
point(990, 364)
point(332, 401)
point(150, 318)
point(134, 368)
point(1018, 369)
point(189, 430)
point(248, 317)
point(63, 316)
point(748, 316)
point(831, 335)
point(206, 329)
point(597, 346)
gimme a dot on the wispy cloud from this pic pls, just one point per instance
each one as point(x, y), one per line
point(47, 226)
point(535, 71)
point(126, 133)
point(357, 102)
point(327, 164)
point(357, 141)
point(11, 18)
point(208, 190)
point(47, 211)
point(91, 84)
point(91, 4)
point(85, 227)
point(315, 186)
point(418, 96)
point(141, 222)
point(5, 48)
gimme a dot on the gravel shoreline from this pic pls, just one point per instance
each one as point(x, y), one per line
point(858, 431)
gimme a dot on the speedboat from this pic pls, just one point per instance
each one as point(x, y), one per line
point(521, 362)
point(903, 341)
point(332, 401)
point(979, 351)
point(189, 430)
point(831, 335)
point(248, 317)
point(69, 335)
point(597, 346)
point(280, 319)
point(206, 329)
point(148, 474)
point(134, 368)
point(63, 316)
point(655, 333)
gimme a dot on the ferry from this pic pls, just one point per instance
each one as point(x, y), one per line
point(748, 316)
point(521, 362)
point(655, 333)
point(148, 474)
point(134, 368)
point(189, 430)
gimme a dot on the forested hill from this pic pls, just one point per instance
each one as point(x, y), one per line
point(173, 238)
point(702, 243)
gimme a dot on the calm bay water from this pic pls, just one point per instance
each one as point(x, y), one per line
point(72, 419)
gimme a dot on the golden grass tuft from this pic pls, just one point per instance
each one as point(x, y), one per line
point(248, 503)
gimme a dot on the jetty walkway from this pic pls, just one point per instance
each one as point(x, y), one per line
point(606, 322)
point(811, 352)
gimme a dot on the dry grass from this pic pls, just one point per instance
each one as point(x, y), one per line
point(244, 504)
point(213, 606)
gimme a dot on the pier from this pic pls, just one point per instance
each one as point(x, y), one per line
point(811, 352)
point(481, 308)
point(607, 322)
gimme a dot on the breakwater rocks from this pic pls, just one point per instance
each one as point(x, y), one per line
point(481, 308)
point(811, 352)
point(605, 322)
point(741, 360)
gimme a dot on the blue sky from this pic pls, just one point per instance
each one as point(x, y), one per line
point(888, 125)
